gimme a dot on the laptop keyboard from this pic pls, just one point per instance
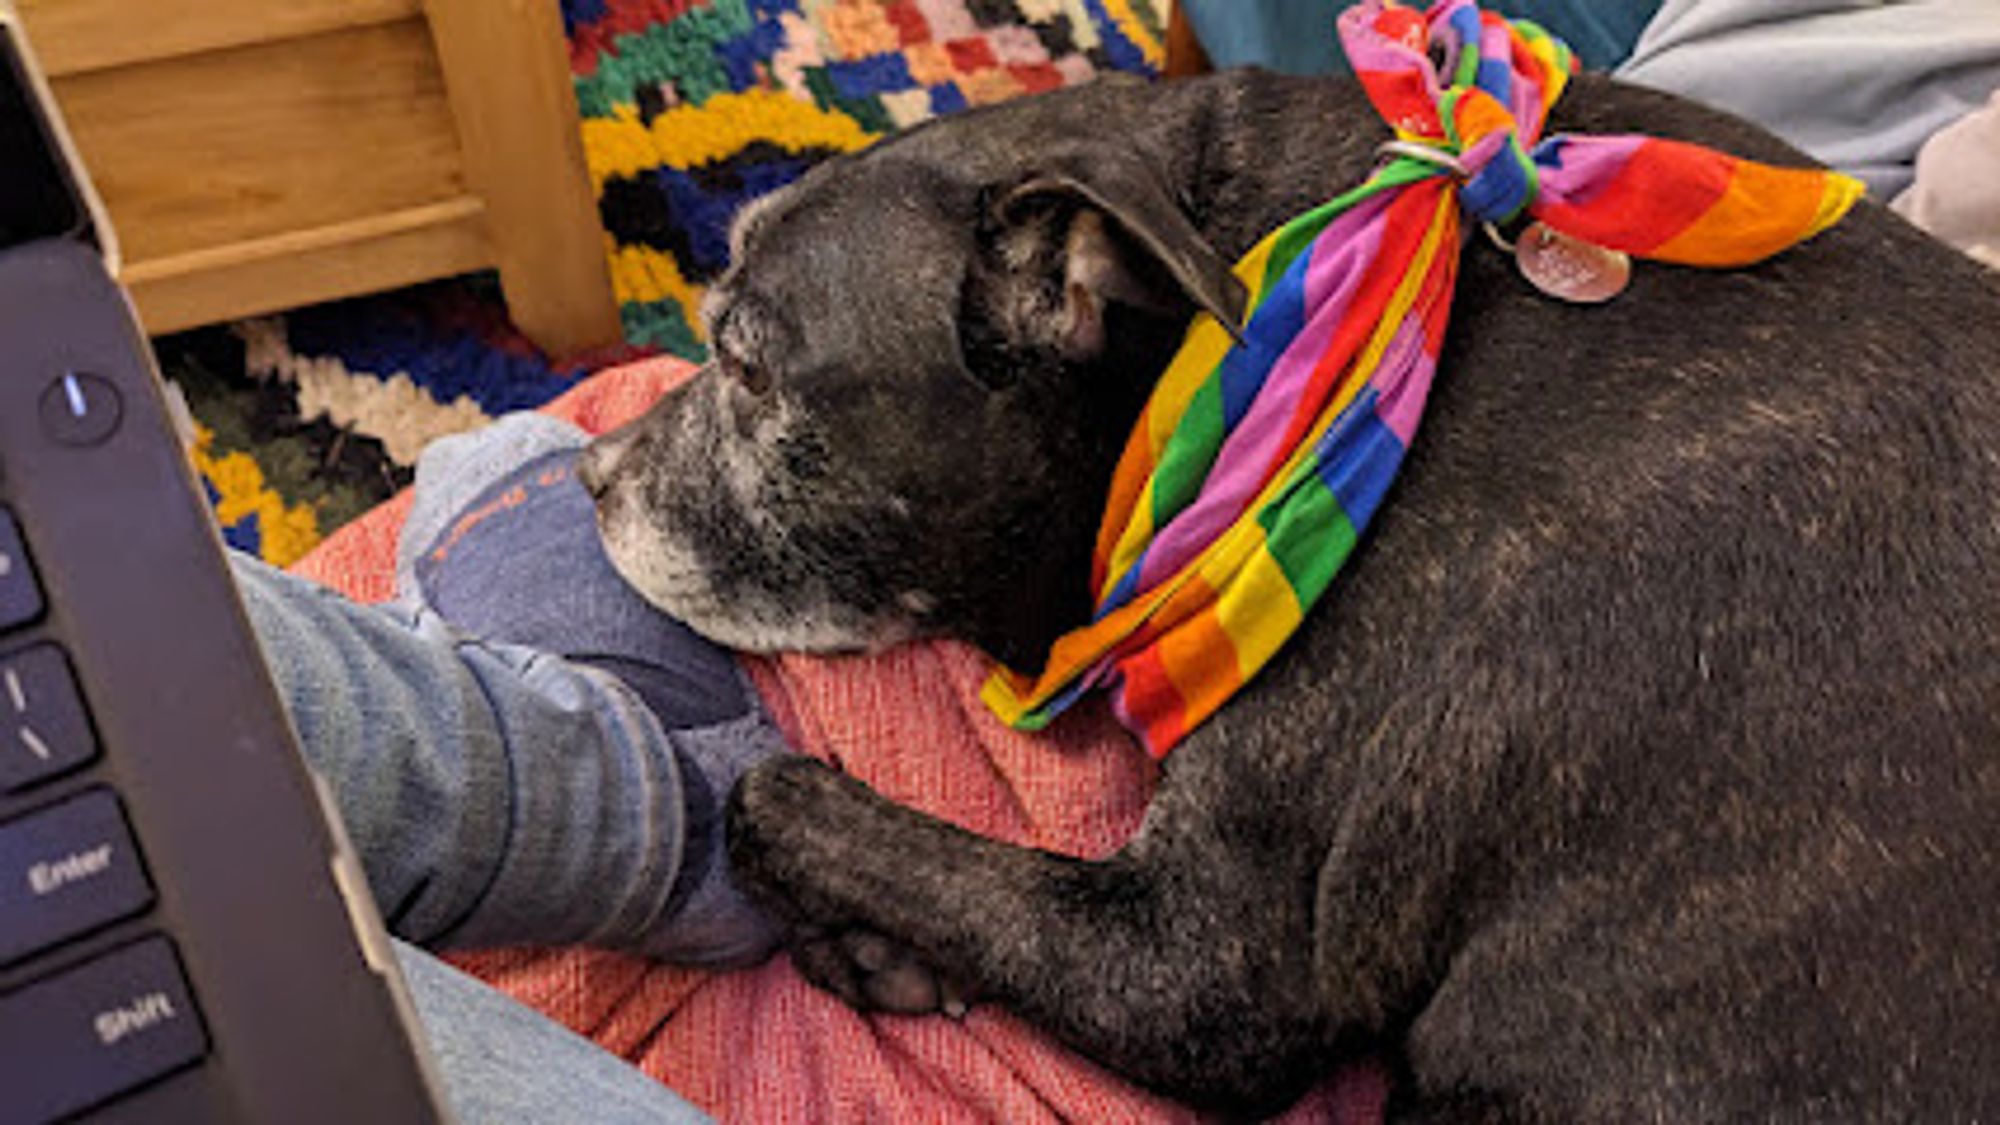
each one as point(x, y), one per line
point(158, 825)
point(83, 1033)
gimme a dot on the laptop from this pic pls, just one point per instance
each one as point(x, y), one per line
point(184, 936)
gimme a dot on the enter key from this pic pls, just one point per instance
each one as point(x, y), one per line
point(65, 870)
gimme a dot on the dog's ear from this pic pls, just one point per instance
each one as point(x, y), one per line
point(1104, 228)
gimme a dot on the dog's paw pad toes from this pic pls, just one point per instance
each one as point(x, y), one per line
point(874, 973)
point(906, 989)
point(825, 966)
point(869, 951)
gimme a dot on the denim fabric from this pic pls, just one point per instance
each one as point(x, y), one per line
point(497, 794)
point(567, 791)
point(502, 542)
point(503, 1063)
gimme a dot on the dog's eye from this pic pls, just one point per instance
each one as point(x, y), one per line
point(750, 377)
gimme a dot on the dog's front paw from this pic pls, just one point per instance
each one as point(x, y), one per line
point(808, 840)
point(792, 821)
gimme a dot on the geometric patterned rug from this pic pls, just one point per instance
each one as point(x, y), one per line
point(690, 109)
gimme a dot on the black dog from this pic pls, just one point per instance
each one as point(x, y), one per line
point(1643, 765)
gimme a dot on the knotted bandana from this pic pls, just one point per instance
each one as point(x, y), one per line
point(1257, 465)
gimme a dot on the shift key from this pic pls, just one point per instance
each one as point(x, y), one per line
point(65, 870)
point(93, 1032)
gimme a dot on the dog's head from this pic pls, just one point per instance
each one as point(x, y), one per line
point(925, 361)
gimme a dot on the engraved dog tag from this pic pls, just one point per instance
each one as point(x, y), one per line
point(1570, 269)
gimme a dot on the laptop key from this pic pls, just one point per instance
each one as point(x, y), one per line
point(44, 728)
point(20, 598)
point(93, 1032)
point(67, 869)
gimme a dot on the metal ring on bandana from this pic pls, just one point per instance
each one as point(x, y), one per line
point(1429, 154)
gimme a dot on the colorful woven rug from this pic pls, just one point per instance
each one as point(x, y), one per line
point(690, 108)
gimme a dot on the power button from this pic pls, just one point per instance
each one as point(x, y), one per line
point(80, 409)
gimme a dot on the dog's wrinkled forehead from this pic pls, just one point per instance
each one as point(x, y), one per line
point(862, 261)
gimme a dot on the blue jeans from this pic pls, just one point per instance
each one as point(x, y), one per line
point(501, 1061)
point(506, 794)
point(495, 796)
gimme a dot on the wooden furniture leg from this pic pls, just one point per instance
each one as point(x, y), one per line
point(508, 82)
point(1184, 54)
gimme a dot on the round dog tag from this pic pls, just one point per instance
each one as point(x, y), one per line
point(1570, 269)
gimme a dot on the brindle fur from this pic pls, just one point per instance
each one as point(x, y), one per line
point(1644, 763)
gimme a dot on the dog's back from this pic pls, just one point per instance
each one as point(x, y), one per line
point(1649, 754)
point(1679, 650)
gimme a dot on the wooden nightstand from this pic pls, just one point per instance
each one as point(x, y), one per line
point(258, 155)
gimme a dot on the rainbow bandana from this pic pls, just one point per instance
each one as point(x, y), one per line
point(1257, 464)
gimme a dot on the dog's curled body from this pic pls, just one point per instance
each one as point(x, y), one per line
point(1644, 763)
